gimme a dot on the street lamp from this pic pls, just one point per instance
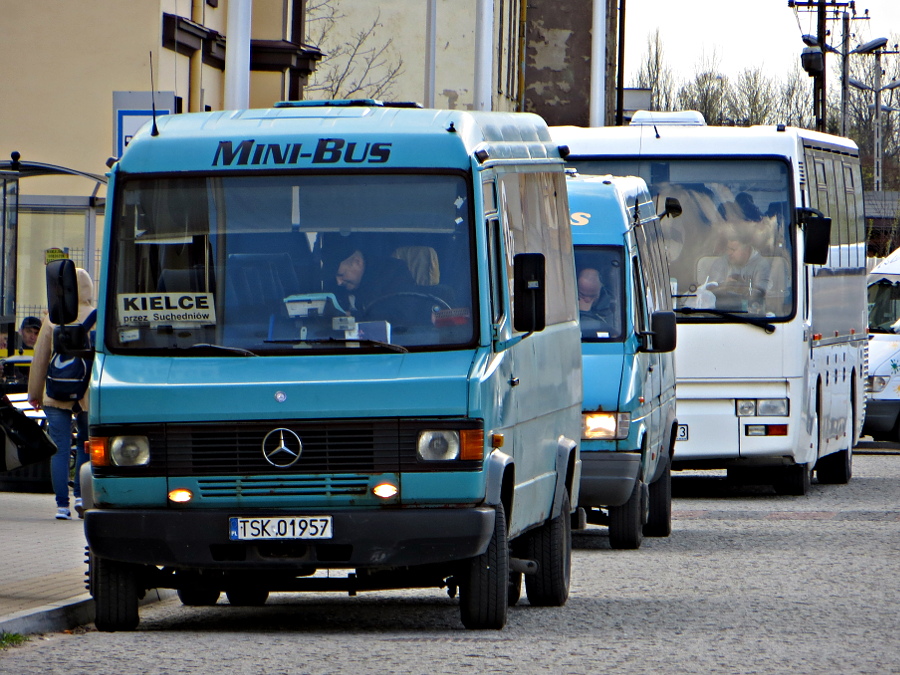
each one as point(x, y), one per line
point(875, 47)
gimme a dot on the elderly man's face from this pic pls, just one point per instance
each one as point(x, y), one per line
point(589, 286)
point(738, 253)
point(350, 271)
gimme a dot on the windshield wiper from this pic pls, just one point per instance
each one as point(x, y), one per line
point(328, 341)
point(222, 349)
point(759, 322)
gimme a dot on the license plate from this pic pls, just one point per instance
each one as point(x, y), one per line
point(286, 527)
point(682, 434)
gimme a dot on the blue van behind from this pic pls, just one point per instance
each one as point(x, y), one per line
point(259, 413)
point(628, 336)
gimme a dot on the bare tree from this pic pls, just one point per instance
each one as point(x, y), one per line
point(655, 75)
point(362, 66)
point(795, 100)
point(708, 92)
point(753, 98)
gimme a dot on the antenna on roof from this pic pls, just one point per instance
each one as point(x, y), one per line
point(155, 130)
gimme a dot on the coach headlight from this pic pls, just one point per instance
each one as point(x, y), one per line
point(129, 450)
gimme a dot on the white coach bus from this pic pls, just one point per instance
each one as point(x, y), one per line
point(768, 266)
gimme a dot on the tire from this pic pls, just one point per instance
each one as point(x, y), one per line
point(659, 512)
point(198, 597)
point(115, 589)
point(247, 597)
point(837, 468)
point(550, 546)
point(794, 480)
point(626, 522)
point(484, 593)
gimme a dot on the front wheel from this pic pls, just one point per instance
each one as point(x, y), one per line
point(114, 586)
point(484, 593)
point(659, 513)
point(550, 546)
point(626, 522)
point(794, 480)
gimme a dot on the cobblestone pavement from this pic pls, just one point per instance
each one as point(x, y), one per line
point(749, 582)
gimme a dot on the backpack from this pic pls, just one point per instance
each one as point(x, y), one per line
point(68, 376)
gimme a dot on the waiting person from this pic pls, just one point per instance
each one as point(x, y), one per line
point(740, 278)
point(59, 413)
point(28, 334)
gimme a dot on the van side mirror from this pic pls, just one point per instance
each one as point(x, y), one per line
point(62, 292)
point(672, 209)
point(816, 236)
point(529, 308)
point(663, 333)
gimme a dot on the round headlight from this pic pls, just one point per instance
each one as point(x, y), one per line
point(129, 450)
point(438, 446)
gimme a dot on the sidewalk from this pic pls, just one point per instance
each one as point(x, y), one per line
point(42, 583)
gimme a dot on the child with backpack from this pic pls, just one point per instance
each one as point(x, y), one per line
point(57, 383)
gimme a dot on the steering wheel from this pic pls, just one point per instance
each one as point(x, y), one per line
point(440, 302)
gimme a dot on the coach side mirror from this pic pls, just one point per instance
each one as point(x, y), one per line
point(816, 236)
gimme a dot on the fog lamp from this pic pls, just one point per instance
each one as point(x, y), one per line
point(180, 496)
point(385, 490)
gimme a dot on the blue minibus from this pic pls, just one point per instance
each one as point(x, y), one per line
point(627, 342)
point(337, 348)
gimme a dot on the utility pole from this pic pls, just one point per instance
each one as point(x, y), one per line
point(813, 58)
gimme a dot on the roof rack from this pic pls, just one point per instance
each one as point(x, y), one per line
point(348, 103)
point(687, 118)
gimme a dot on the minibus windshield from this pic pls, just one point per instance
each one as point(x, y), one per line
point(730, 249)
point(601, 292)
point(300, 264)
point(884, 306)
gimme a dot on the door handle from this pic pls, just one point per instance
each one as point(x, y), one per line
point(514, 381)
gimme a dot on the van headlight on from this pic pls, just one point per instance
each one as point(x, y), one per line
point(877, 383)
point(129, 450)
point(605, 425)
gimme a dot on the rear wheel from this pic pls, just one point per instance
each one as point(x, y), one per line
point(198, 597)
point(626, 522)
point(550, 546)
point(114, 586)
point(247, 597)
point(659, 512)
point(837, 468)
point(484, 593)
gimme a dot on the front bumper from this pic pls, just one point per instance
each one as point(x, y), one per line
point(607, 478)
point(881, 416)
point(362, 539)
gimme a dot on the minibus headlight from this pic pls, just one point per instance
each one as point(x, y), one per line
point(774, 407)
point(746, 407)
point(438, 446)
point(605, 425)
point(129, 450)
point(877, 383)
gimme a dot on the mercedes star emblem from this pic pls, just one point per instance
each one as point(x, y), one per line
point(282, 448)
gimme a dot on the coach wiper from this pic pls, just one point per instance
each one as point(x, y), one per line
point(759, 322)
point(340, 341)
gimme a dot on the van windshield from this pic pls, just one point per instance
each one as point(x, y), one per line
point(291, 264)
point(884, 307)
point(731, 248)
point(601, 292)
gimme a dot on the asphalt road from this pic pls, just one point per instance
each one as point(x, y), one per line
point(749, 582)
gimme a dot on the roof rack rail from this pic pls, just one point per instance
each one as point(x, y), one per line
point(348, 103)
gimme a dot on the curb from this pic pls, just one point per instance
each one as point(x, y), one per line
point(65, 615)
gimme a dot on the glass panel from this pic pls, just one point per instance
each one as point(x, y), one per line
point(269, 263)
point(601, 292)
point(884, 307)
point(731, 249)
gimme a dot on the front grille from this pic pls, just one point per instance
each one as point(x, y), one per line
point(288, 486)
point(328, 447)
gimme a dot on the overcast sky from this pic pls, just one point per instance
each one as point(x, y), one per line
point(740, 34)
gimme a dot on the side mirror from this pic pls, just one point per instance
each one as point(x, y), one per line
point(663, 333)
point(816, 236)
point(529, 308)
point(672, 209)
point(62, 292)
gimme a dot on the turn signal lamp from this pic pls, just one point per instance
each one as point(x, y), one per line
point(98, 448)
point(385, 490)
point(472, 444)
point(180, 496)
